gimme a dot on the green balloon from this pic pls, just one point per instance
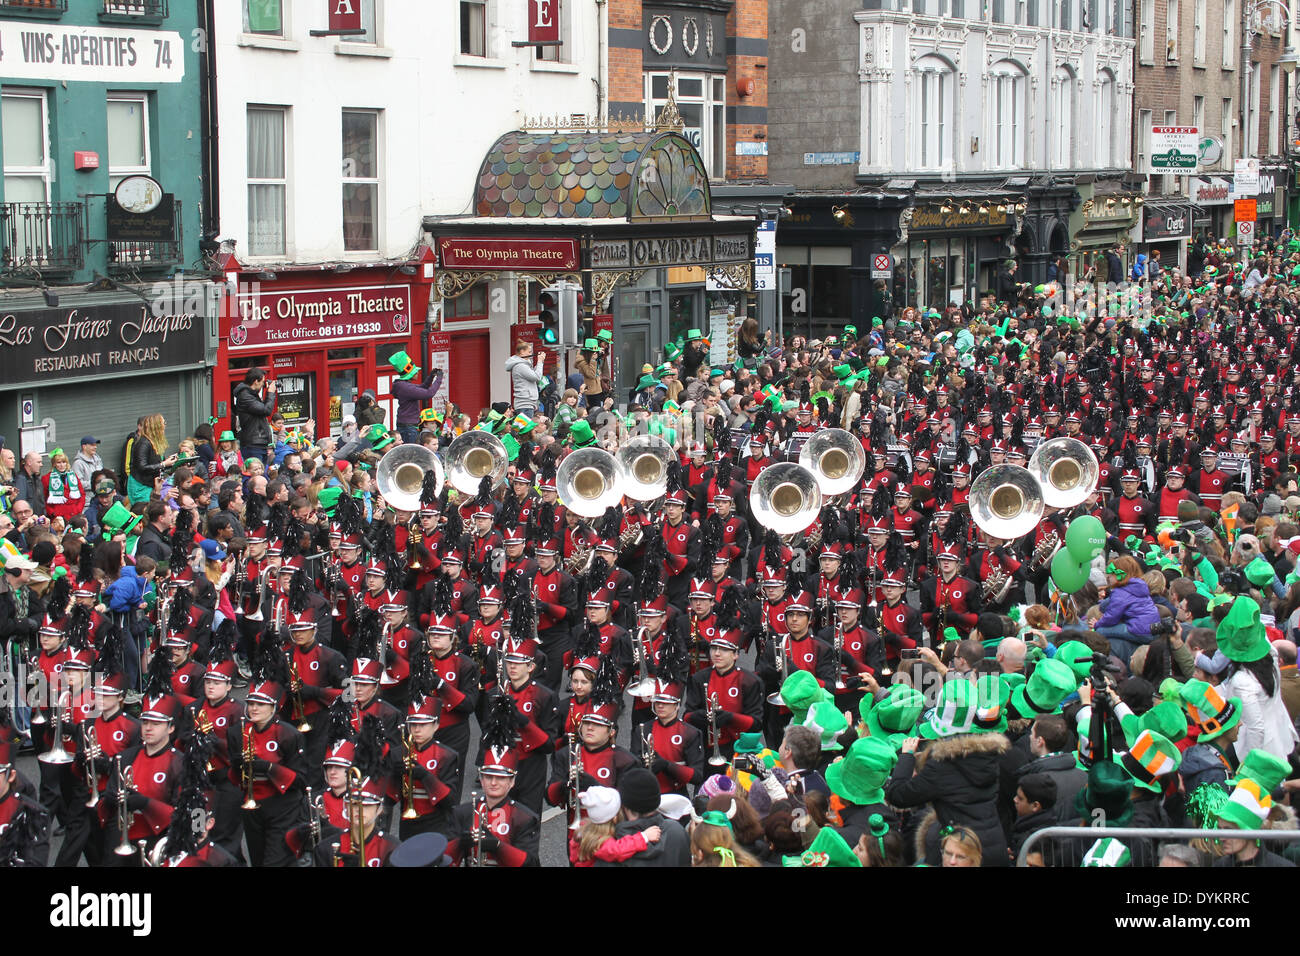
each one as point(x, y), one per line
point(1084, 538)
point(1068, 574)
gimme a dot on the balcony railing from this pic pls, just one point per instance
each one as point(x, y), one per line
point(152, 10)
point(136, 255)
point(48, 236)
point(37, 7)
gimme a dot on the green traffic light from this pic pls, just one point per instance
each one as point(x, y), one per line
point(549, 337)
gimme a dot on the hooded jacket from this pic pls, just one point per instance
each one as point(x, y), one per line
point(1130, 604)
point(253, 416)
point(525, 381)
point(958, 777)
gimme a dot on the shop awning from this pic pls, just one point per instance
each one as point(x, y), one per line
point(1166, 222)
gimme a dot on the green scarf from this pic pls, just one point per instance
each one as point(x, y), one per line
point(63, 486)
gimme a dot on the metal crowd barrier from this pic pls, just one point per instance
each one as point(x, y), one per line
point(1173, 834)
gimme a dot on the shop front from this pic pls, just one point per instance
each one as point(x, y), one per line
point(93, 364)
point(1166, 227)
point(1211, 198)
point(625, 215)
point(324, 336)
point(1104, 220)
point(953, 248)
point(1270, 207)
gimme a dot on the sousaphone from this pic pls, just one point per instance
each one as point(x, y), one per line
point(1066, 469)
point(785, 497)
point(474, 456)
point(588, 481)
point(1006, 501)
point(400, 475)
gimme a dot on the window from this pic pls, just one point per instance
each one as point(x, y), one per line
point(1063, 120)
point(1171, 31)
point(1198, 114)
point(1274, 93)
point(1198, 34)
point(1144, 139)
point(470, 304)
point(1105, 119)
point(1147, 33)
point(1229, 19)
point(26, 146)
point(266, 180)
point(367, 8)
point(128, 137)
point(701, 100)
point(1225, 131)
point(557, 54)
point(473, 27)
point(1007, 86)
point(264, 16)
point(934, 107)
point(1065, 18)
point(360, 180)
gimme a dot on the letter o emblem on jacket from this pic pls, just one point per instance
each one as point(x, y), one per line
point(272, 746)
point(119, 736)
point(160, 777)
point(807, 658)
point(527, 707)
point(502, 828)
point(219, 722)
point(733, 691)
point(676, 739)
point(956, 595)
point(602, 773)
point(401, 645)
point(314, 665)
point(855, 646)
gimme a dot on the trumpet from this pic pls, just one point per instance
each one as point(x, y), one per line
point(257, 595)
point(295, 685)
point(575, 782)
point(91, 751)
point(645, 685)
point(408, 777)
point(356, 820)
point(715, 759)
point(313, 819)
point(839, 655)
point(782, 648)
point(481, 820)
point(246, 770)
point(125, 785)
point(694, 643)
point(56, 754)
point(386, 679)
point(203, 725)
point(648, 749)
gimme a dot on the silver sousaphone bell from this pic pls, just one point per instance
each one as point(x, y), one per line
point(785, 497)
point(588, 481)
point(1006, 501)
point(474, 456)
point(643, 464)
point(836, 458)
point(1067, 469)
point(400, 475)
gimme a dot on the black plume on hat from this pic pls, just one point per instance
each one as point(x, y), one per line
point(59, 595)
point(182, 540)
point(423, 680)
point(192, 799)
point(588, 642)
point(372, 756)
point(340, 720)
point(158, 679)
point(499, 731)
point(604, 687)
point(370, 626)
point(674, 662)
point(611, 523)
point(268, 662)
point(178, 616)
point(255, 508)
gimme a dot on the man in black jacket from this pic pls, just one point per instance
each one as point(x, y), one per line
point(252, 414)
point(639, 791)
point(155, 540)
point(1114, 267)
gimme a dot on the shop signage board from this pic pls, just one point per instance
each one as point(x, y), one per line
point(1174, 149)
point(33, 50)
point(308, 317)
point(543, 21)
point(440, 358)
point(1245, 233)
point(525, 255)
point(1160, 223)
point(765, 256)
point(1243, 210)
point(126, 338)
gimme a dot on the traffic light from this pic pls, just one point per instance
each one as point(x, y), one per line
point(548, 313)
point(570, 313)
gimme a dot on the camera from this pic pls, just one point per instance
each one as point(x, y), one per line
point(1162, 629)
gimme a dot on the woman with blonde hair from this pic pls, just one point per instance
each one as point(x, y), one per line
point(714, 844)
point(147, 463)
point(959, 846)
point(65, 498)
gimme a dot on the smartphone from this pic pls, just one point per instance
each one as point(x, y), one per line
point(910, 653)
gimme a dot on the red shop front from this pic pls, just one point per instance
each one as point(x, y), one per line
point(323, 335)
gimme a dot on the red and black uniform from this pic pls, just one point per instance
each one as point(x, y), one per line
point(435, 781)
point(558, 614)
point(479, 561)
point(735, 541)
point(459, 694)
point(536, 740)
point(278, 775)
point(480, 639)
point(155, 782)
point(228, 827)
point(1135, 516)
point(601, 767)
point(400, 642)
point(900, 627)
point(511, 835)
point(1210, 486)
point(923, 489)
point(945, 604)
point(682, 542)
point(187, 681)
point(740, 696)
point(574, 710)
point(322, 672)
point(617, 590)
point(377, 848)
point(1167, 507)
point(678, 754)
point(989, 561)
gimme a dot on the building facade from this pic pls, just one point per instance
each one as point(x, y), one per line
point(101, 218)
point(932, 140)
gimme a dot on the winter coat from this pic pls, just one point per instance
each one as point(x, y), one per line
point(1265, 723)
point(1114, 268)
point(1139, 271)
point(1069, 779)
point(253, 416)
point(525, 381)
point(1130, 604)
point(1026, 825)
point(125, 594)
point(958, 777)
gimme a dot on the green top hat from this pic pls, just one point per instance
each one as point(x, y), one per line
point(825, 718)
point(118, 520)
point(605, 335)
point(377, 433)
point(328, 499)
point(859, 776)
point(1151, 756)
point(828, 848)
point(648, 381)
point(1247, 807)
point(591, 344)
point(843, 372)
point(991, 696)
point(665, 368)
point(692, 335)
point(511, 445)
point(672, 352)
point(954, 712)
point(1241, 635)
point(1108, 789)
point(226, 435)
point(581, 435)
point(1165, 718)
point(893, 717)
point(800, 691)
point(1266, 769)
point(1051, 682)
point(851, 330)
point(403, 366)
point(1259, 572)
point(522, 424)
point(750, 743)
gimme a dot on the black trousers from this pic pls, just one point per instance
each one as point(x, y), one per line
point(530, 783)
point(265, 827)
point(228, 821)
point(82, 834)
point(554, 642)
point(456, 737)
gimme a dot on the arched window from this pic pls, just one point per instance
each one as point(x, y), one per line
point(1007, 112)
point(1062, 119)
point(1105, 119)
point(933, 99)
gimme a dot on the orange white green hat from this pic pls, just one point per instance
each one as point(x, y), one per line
point(1151, 757)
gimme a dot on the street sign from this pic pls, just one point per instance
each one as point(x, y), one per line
point(1243, 210)
point(1174, 148)
point(1245, 177)
point(882, 266)
point(1245, 233)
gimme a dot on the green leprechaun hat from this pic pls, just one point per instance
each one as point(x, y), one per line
point(118, 520)
point(378, 436)
point(1247, 807)
point(1108, 790)
point(827, 720)
point(800, 691)
point(1051, 682)
point(581, 435)
point(828, 848)
point(1077, 656)
point(1266, 769)
point(328, 499)
point(859, 776)
point(991, 697)
point(1240, 635)
point(1165, 718)
point(893, 717)
point(1213, 713)
point(954, 712)
point(1107, 852)
point(402, 364)
point(1151, 757)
